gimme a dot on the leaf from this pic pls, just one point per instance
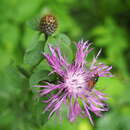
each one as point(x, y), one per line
point(41, 75)
point(63, 42)
point(14, 78)
point(34, 23)
point(37, 114)
point(38, 76)
point(108, 122)
point(34, 54)
point(114, 39)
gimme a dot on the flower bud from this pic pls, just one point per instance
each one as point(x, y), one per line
point(48, 24)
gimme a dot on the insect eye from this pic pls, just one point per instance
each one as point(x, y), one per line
point(96, 78)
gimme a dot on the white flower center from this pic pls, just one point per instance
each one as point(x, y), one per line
point(75, 82)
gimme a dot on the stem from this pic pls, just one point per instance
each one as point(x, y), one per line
point(32, 69)
point(46, 37)
point(23, 71)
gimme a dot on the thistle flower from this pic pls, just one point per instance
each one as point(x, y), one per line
point(75, 87)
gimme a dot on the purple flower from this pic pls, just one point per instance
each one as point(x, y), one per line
point(75, 86)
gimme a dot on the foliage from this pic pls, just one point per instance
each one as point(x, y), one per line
point(105, 22)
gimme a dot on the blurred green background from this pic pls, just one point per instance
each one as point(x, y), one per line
point(105, 22)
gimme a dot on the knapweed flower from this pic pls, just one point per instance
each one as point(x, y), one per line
point(75, 87)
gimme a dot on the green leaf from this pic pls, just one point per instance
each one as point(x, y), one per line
point(37, 114)
point(41, 75)
point(34, 54)
point(38, 76)
point(34, 23)
point(63, 42)
point(14, 78)
point(114, 39)
point(108, 122)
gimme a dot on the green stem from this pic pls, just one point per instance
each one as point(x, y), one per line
point(23, 72)
point(32, 69)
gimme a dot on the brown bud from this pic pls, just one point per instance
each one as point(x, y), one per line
point(48, 24)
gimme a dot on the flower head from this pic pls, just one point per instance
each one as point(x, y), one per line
point(75, 87)
point(48, 24)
